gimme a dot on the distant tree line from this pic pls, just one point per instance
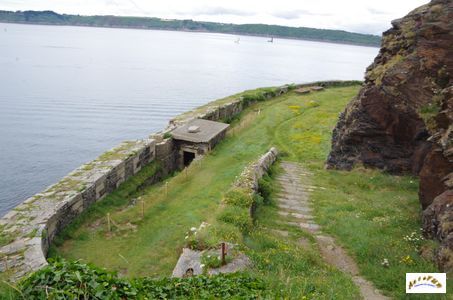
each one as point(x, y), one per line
point(304, 33)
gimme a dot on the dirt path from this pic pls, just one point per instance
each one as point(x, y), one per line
point(294, 209)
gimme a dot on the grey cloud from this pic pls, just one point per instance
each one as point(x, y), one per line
point(296, 14)
point(216, 11)
point(375, 11)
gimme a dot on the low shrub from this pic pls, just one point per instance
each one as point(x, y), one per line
point(167, 135)
point(224, 286)
point(265, 188)
point(238, 197)
point(251, 98)
point(212, 259)
point(224, 232)
point(291, 86)
point(74, 280)
point(211, 236)
point(238, 216)
point(231, 119)
point(257, 200)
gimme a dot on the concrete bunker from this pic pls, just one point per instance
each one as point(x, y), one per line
point(197, 138)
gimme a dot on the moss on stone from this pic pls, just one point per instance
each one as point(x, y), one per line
point(379, 71)
point(6, 237)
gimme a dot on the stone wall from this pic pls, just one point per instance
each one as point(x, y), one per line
point(31, 226)
point(190, 259)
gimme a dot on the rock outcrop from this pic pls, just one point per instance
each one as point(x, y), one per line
point(401, 120)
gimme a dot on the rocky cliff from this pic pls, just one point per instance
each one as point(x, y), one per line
point(401, 120)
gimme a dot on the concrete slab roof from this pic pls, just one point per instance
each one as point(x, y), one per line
point(199, 131)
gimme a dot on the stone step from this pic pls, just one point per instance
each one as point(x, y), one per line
point(296, 172)
point(299, 199)
point(292, 203)
point(290, 194)
point(292, 169)
point(287, 177)
point(297, 190)
point(295, 215)
point(287, 195)
point(294, 181)
point(296, 209)
point(289, 223)
point(302, 216)
point(289, 201)
point(312, 227)
point(291, 189)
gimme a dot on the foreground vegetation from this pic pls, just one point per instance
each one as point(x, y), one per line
point(75, 280)
point(50, 17)
point(374, 216)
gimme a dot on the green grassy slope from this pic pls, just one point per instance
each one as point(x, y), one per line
point(369, 213)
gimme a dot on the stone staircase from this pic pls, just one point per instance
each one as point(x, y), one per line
point(293, 202)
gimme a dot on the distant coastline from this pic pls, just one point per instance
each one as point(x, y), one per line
point(145, 23)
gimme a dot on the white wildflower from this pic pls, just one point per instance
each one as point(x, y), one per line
point(193, 229)
point(202, 266)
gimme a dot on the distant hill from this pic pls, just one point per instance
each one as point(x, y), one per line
point(303, 33)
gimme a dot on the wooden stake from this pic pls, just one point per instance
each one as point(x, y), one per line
point(223, 253)
point(109, 226)
point(6, 262)
point(143, 209)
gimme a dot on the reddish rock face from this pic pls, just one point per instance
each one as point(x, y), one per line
point(402, 119)
point(437, 222)
point(432, 176)
point(385, 125)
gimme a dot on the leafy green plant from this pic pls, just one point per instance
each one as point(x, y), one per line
point(74, 280)
point(265, 188)
point(167, 135)
point(237, 216)
point(212, 259)
point(251, 98)
point(5, 237)
point(238, 197)
point(63, 279)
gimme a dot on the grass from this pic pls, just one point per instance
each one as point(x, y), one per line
point(368, 212)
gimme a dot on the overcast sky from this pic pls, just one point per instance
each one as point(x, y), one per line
point(365, 16)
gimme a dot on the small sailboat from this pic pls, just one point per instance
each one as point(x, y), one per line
point(237, 40)
point(271, 40)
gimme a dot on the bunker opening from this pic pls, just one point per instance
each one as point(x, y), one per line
point(188, 157)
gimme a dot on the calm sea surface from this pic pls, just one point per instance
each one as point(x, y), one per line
point(67, 94)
